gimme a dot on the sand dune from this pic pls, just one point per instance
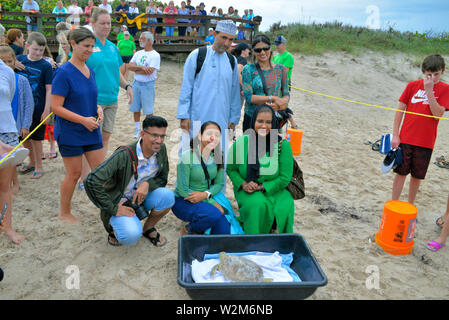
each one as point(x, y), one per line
point(346, 192)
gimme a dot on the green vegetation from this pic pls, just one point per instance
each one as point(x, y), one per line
point(334, 36)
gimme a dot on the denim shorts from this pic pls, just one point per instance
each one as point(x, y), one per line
point(144, 94)
point(31, 27)
point(75, 151)
point(10, 138)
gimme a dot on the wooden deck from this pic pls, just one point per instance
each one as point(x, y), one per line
point(46, 23)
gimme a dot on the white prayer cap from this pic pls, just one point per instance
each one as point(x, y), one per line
point(226, 26)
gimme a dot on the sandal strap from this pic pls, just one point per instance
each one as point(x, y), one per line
point(154, 240)
point(151, 230)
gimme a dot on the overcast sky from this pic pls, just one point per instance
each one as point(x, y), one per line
point(402, 15)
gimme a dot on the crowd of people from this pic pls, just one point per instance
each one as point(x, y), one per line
point(81, 89)
point(130, 9)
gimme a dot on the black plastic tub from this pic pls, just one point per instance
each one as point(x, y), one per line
point(193, 247)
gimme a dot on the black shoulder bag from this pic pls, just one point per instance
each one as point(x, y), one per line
point(296, 186)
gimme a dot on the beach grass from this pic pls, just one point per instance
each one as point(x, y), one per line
point(316, 39)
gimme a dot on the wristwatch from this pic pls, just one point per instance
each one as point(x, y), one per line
point(270, 99)
point(128, 85)
point(208, 194)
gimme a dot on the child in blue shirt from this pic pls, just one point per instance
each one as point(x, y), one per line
point(210, 38)
point(39, 74)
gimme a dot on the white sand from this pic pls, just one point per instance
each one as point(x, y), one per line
point(346, 192)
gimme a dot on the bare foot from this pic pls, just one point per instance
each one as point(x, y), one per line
point(70, 219)
point(183, 231)
point(15, 190)
point(14, 236)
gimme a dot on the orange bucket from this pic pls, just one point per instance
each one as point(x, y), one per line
point(397, 227)
point(294, 136)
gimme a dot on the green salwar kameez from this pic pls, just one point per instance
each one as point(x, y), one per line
point(259, 209)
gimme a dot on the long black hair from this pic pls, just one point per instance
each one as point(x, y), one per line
point(195, 142)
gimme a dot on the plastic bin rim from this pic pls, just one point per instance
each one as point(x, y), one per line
point(220, 285)
point(252, 285)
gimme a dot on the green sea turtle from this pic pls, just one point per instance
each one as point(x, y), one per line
point(239, 269)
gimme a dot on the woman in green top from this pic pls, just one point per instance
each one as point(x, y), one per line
point(260, 171)
point(201, 177)
point(276, 78)
point(127, 48)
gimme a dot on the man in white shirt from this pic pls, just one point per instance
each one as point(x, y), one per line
point(145, 63)
point(105, 5)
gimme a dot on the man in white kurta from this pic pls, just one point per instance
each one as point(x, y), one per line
point(214, 93)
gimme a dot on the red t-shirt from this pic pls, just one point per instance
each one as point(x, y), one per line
point(170, 10)
point(418, 130)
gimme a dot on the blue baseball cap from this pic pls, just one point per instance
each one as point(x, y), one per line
point(279, 40)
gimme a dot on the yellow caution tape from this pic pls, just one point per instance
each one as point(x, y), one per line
point(26, 138)
point(370, 105)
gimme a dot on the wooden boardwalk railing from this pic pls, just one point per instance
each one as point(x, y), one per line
point(46, 23)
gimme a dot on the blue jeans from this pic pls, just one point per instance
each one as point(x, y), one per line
point(128, 230)
point(201, 216)
point(169, 31)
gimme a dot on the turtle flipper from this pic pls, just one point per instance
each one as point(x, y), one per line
point(214, 269)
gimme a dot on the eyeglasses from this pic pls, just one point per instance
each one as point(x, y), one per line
point(259, 50)
point(155, 135)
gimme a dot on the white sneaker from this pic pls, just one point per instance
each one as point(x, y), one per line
point(136, 133)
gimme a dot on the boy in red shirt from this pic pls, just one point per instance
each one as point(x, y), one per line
point(417, 134)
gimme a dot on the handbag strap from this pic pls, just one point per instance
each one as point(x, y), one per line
point(264, 84)
point(133, 160)
point(203, 165)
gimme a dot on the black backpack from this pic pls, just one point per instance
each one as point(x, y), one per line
point(202, 56)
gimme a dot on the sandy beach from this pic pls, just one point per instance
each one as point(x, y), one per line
point(338, 217)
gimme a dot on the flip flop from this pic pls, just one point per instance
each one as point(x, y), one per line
point(3, 212)
point(435, 246)
point(37, 174)
point(376, 145)
point(442, 164)
point(52, 155)
point(24, 169)
point(442, 221)
point(156, 239)
point(112, 236)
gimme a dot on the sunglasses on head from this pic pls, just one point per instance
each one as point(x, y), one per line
point(259, 50)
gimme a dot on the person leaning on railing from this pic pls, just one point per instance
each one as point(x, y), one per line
point(30, 6)
point(183, 10)
point(59, 9)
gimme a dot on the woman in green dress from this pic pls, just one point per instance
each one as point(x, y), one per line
point(260, 166)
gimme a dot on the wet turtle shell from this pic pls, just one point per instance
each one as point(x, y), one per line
point(238, 269)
